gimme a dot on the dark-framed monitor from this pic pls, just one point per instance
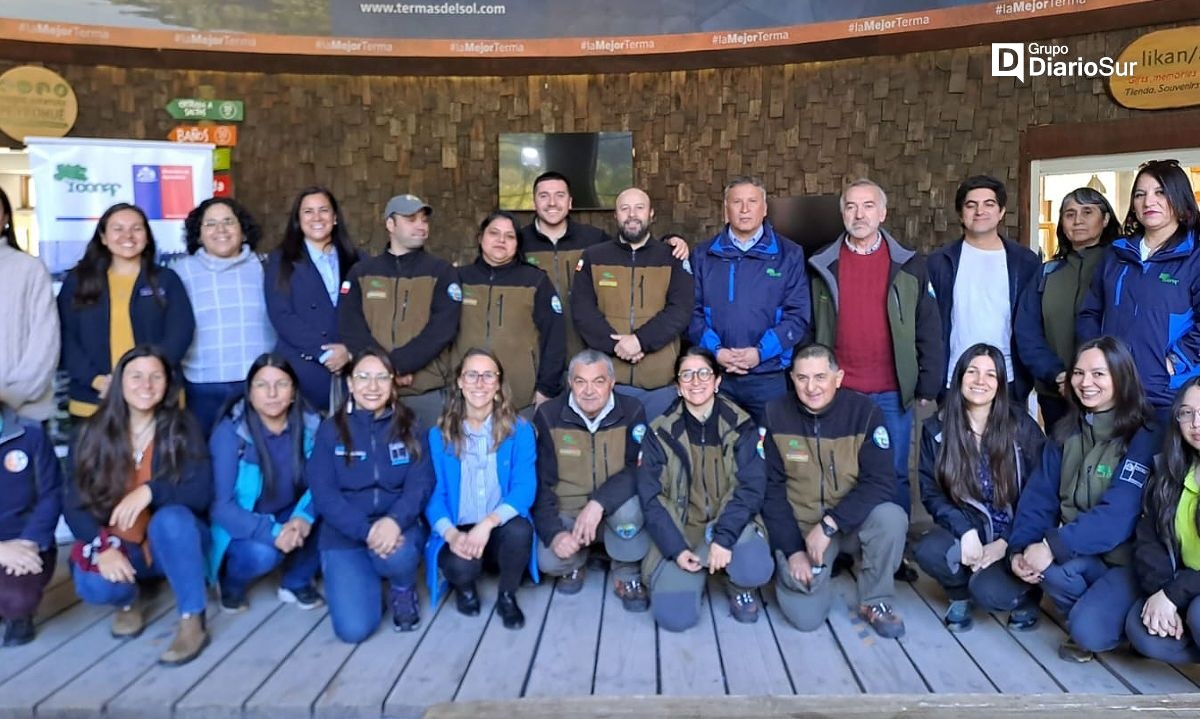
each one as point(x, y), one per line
point(598, 165)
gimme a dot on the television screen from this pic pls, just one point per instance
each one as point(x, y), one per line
point(598, 164)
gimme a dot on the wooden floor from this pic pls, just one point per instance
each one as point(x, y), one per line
point(278, 661)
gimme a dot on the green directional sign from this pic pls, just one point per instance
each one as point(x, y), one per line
point(184, 108)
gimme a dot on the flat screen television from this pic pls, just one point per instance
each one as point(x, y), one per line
point(599, 166)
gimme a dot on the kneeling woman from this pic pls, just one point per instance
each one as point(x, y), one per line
point(370, 477)
point(1166, 550)
point(142, 477)
point(701, 484)
point(976, 456)
point(484, 456)
point(30, 502)
point(262, 513)
point(1071, 536)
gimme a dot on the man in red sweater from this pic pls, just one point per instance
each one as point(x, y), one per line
point(873, 303)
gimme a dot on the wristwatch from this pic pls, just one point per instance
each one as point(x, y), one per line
point(827, 528)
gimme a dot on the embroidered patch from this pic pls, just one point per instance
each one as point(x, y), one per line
point(556, 305)
point(802, 457)
point(638, 431)
point(454, 291)
point(470, 301)
point(774, 273)
point(16, 461)
point(532, 261)
point(570, 451)
point(880, 437)
point(1134, 472)
point(376, 294)
point(398, 453)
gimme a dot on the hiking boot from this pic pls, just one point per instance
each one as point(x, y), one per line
point(905, 572)
point(1069, 651)
point(306, 597)
point(190, 639)
point(743, 605)
point(128, 621)
point(958, 616)
point(18, 631)
point(1022, 619)
point(510, 613)
point(406, 612)
point(883, 619)
point(573, 582)
point(632, 594)
point(467, 600)
point(233, 602)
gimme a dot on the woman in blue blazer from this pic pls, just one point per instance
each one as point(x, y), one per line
point(482, 446)
point(303, 279)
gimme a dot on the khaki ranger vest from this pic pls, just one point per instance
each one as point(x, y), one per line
point(628, 297)
point(396, 310)
point(560, 266)
point(585, 461)
point(1089, 461)
point(820, 472)
point(500, 318)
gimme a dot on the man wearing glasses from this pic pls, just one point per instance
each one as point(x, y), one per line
point(406, 302)
point(588, 443)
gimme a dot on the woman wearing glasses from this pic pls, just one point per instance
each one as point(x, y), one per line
point(1143, 293)
point(484, 456)
point(1166, 549)
point(701, 484)
point(224, 280)
point(370, 477)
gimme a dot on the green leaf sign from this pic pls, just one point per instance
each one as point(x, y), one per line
point(182, 108)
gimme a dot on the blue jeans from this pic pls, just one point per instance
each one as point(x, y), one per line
point(753, 391)
point(205, 400)
point(352, 586)
point(1094, 598)
point(247, 560)
point(654, 401)
point(177, 545)
point(899, 422)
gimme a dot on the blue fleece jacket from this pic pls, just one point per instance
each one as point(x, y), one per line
point(31, 482)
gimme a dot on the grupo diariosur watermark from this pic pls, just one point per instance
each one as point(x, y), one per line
point(1025, 60)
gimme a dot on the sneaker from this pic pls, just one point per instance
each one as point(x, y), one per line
point(128, 621)
point(233, 602)
point(467, 600)
point(905, 572)
point(883, 619)
point(306, 597)
point(1022, 619)
point(573, 582)
point(958, 616)
point(1069, 651)
point(510, 613)
point(406, 612)
point(632, 594)
point(743, 605)
point(190, 639)
point(18, 631)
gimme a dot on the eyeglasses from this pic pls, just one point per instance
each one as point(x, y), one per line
point(366, 378)
point(703, 374)
point(214, 224)
point(1185, 415)
point(487, 377)
point(282, 385)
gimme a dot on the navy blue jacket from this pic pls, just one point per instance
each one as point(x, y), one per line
point(1106, 526)
point(755, 299)
point(30, 482)
point(1022, 265)
point(382, 479)
point(956, 518)
point(86, 352)
point(1151, 306)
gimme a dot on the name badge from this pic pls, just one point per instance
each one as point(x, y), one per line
point(149, 292)
point(398, 452)
point(571, 452)
point(470, 301)
point(377, 294)
point(607, 283)
point(340, 451)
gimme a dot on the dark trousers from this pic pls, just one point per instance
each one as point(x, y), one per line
point(507, 552)
point(1166, 649)
point(1054, 407)
point(19, 596)
point(206, 399)
point(932, 555)
point(753, 391)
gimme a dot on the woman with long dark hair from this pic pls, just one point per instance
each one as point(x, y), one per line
point(701, 484)
point(262, 511)
point(976, 456)
point(141, 481)
point(484, 457)
point(1046, 313)
point(303, 278)
point(370, 476)
point(1072, 533)
point(117, 297)
point(224, 281)
point(1143, 291)
point(1165, 624)
point(29, 332)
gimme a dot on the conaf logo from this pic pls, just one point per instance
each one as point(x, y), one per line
point(75, 176)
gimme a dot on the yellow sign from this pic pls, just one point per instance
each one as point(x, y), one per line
point(1167, 73)
point(36, 101)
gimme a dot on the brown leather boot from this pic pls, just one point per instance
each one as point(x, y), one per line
point(190, 639)
point(128, 622)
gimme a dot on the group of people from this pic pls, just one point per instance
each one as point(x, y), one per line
point(732, 409)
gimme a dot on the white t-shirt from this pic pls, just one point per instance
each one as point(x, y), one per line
point(981, 311)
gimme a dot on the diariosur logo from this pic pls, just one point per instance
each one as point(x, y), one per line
point(1014, 59)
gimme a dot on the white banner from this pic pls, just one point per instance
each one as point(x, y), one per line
point(76, 180)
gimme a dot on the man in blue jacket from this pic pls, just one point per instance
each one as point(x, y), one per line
point(752, 299)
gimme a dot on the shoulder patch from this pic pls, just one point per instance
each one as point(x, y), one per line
point(1134, 472)
point(16, 461)
point(762, 438)
point(556, 305)
point(454, 291)
point(638, 431)
point(880, 437)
